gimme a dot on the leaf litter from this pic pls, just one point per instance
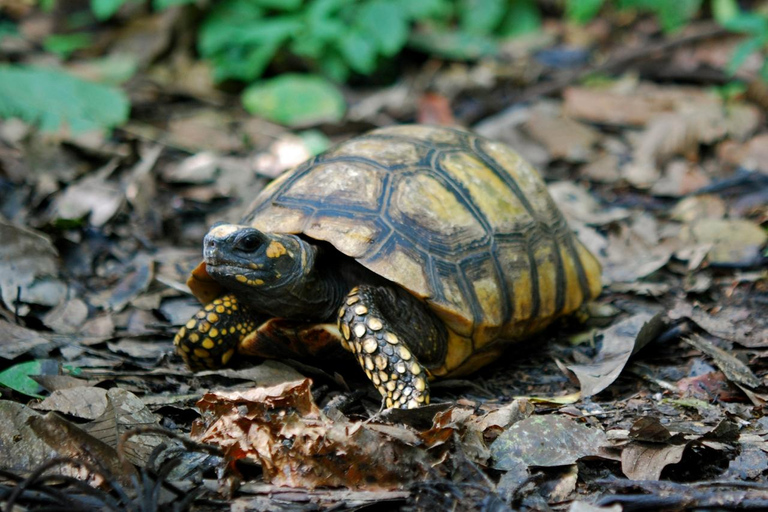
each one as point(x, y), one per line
point(665, 183)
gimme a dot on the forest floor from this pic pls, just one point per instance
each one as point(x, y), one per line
point(655, 400)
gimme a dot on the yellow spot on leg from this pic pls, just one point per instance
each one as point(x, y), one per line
point(207, 343)
point(370, 345)
point(359, 330)
point(374, 323)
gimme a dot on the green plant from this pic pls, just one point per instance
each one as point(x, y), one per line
point(673, 15)
point(754, 24)
point(52, 98)
point(338, 37)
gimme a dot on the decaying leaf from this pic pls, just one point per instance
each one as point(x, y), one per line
point(21, 449)
point(728, 325)
point(620, 341)
point(545, 441)
point(733, 242)
point(299, 446)
point(731, 366)
point(27, 259)
point(646, 461)
point(125, 411)
point(85, 402)
point(16, 340)
point(564, 137)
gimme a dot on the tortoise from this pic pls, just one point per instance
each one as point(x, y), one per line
point(423, 250)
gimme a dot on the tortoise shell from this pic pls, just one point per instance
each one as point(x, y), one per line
point(462, 222)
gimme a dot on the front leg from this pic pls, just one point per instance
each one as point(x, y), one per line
point(392, 334)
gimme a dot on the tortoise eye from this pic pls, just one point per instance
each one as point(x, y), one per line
point(249, 243)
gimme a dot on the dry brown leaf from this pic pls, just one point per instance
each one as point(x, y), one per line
point(16, 340)
point(68, 317)
point(28, 260)
point(545, 441)
point(731, 366)
point(646, 461)
point(125, 411)
point(85, 402)
point(628, 104)
point(620, 341)
point(299, 446)
point(732, 242)
point(695, 208)
point(563, 137)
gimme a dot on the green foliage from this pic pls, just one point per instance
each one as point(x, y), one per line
point(53, 98)
point(18, 376)
point(65, 44)
point(753, 24)
point(295, 100)
point(339, 37)
point(672, 15)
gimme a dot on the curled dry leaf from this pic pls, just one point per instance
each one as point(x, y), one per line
point(731, 366)
point(545, 441)
point(299, 446)
point(620, 341)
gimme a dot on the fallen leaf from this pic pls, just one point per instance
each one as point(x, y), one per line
point(21, 449)
point(16, 340)
point(545, 441)
point(299, 446)
point(734, 242)
point(563, 137)
point(136, 281)
point(123, 412)
point(68, 317)
point(731, 366)
point(646, 461)
point(27, 257)
point(93, 196)
point(699, 207)
point(619, 342)
point(85, 402)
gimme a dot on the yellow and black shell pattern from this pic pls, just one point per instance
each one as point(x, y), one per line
point(462, 222)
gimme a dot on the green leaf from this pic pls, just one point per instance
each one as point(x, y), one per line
point(295, 100)
point(358, 51)
point(105, 9)
point(749, 23)
point(17, 377)
point(165, 4)
point(65, 44)
point(332, 65)
point(673, 15)
point(481, 17)
point(724, 10)
point(386, 24)
point(52, 98)
point(582, 11)
point(422, 10)
point(280, 5)
point(453, 45)
point(523, 17)
point(743, 51)
point(315, 141)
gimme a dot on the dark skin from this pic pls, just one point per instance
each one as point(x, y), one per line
point(393, 335)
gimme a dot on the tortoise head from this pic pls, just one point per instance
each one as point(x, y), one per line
point(272, 273)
